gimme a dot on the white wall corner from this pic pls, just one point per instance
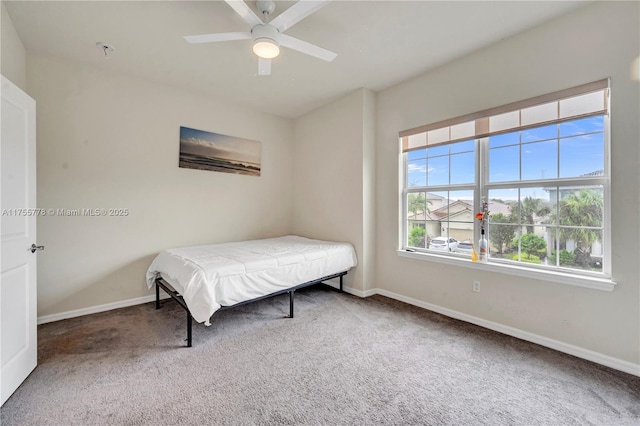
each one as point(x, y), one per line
point(13, 63)
point(369, 188)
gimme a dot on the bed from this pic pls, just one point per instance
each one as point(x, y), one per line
point(205, 279)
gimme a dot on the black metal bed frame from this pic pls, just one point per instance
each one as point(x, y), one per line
point(161, 283)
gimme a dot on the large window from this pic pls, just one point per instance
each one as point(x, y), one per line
point(540, 165)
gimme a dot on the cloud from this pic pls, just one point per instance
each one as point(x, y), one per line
point(230, 149)
point(200, 147)
point(417, 168)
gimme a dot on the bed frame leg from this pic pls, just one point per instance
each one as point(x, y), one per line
point(291, 303)
point(189, 323)
point(157, 296)
point(341, 283)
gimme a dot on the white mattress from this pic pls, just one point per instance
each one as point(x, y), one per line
point(212, 276)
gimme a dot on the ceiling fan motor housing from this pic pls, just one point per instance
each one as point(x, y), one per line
point(265, 31)
point(266, 44)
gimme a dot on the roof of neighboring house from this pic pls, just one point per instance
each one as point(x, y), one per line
point(498, 207)
point(432, 196)
point(451, 208)
point(599, 172)
point(420, 216)
point(594, 173)
point(455, 208)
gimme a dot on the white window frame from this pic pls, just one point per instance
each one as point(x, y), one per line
point(481, 187)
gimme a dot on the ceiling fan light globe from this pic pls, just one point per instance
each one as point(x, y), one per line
point(266, 48)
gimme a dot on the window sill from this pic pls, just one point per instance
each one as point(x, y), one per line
point(597, 283)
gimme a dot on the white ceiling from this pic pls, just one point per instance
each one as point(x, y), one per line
point(379, 43)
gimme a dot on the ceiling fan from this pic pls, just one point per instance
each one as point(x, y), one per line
point(268, 36)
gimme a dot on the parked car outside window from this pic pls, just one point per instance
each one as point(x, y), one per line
point(444, 244)
point(465, 247)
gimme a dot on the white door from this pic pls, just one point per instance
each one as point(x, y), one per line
point(18, 345)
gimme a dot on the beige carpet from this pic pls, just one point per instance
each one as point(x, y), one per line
point(341, 361)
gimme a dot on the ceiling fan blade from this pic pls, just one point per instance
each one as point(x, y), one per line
point(297, 13)
point(210, 38)
point(245, 12)
point(264, 66)
point(307, 48)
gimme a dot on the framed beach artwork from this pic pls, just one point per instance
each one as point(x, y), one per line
point(219, 153)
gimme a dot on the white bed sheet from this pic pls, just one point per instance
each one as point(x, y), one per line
point(212, 276)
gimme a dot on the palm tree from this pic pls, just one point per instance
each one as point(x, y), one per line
point(530, 207)
point(581, 210)
point(416, 203)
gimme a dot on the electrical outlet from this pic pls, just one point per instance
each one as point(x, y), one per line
point(476, 286)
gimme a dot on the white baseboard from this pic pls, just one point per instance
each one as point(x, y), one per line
point(360, 293)
point(99, 308)
point(615, 363)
